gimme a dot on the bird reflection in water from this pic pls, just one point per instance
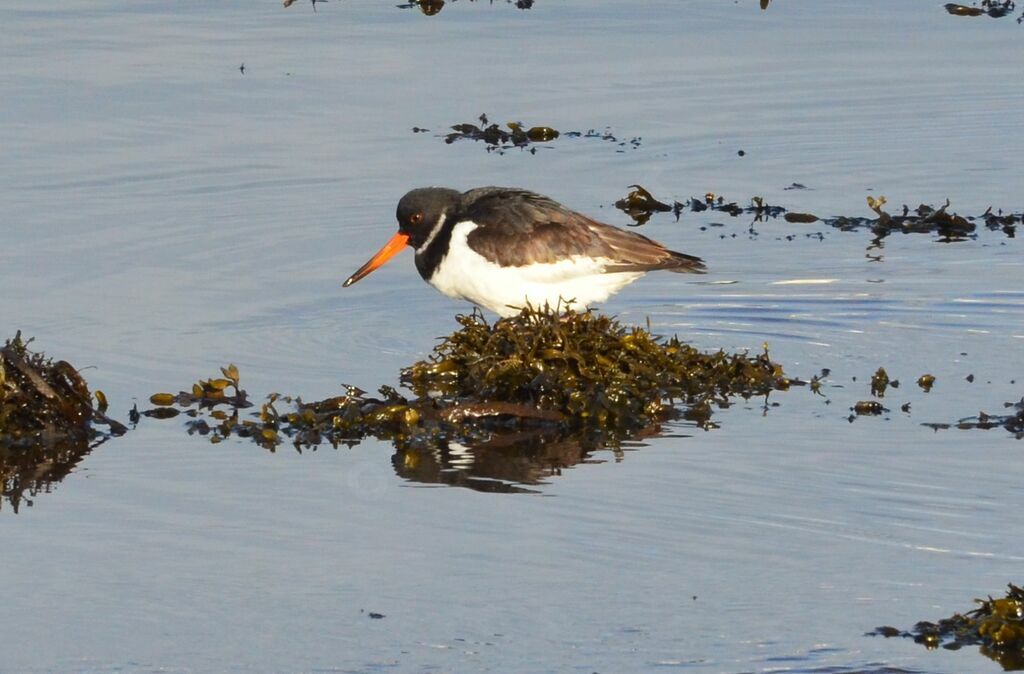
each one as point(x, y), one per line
point(506, 462)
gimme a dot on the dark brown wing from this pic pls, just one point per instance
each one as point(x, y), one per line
point(635, 252)
point(518, 228)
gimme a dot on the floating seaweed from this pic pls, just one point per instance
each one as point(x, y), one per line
point(756, 206)
point(432, 7)
point(880, 381)
point(868, 408)
point(1012, 422)
point(499, 139)
point(208, 393)
point(997, 626)
point(640, 204)
point(520, 399)
point(608, 136)
point(804, 218)
point(925, 219)
point(47, 421)
point(993, 8)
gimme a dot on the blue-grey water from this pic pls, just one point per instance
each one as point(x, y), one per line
point(163, 213)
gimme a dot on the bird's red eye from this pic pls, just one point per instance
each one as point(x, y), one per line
point(416, 218)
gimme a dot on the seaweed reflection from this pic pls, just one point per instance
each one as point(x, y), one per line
point(26, 472)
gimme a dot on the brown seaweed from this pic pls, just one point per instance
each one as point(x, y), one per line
point(499, 139)
point(539, 378)
point(996, 626)
point(996, 9)
point(48, 421)
point(1013, 421)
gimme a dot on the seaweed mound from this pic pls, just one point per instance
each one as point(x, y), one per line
point(43, 402)
point(46, 421)
point(586, 367)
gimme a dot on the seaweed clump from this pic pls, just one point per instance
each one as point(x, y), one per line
point(993, 8)
point(997, 626)
point(541, 376)
point(925, 219)
point(432, 7)
point(43, 402)
point(587, 367)
point(640, 204)
point(47, 421)
point(498, 139)
point(1012, 422)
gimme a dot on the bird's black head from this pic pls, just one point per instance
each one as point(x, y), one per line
point(420, 209)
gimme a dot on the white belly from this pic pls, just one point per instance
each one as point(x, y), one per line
point(465, 274)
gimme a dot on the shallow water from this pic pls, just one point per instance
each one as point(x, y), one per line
point(165, 214)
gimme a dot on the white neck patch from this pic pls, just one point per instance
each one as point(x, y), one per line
point(433, 234)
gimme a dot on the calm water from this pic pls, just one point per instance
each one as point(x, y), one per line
point(164, 214)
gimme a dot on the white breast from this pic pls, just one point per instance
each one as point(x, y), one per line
point(465, 274)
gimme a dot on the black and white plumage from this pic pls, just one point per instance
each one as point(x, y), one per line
point(502, 247)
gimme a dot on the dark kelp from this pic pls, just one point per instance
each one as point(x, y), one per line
point(432, 7)
point(587, 367)
point(993, 8)
point(47, 421)
point(925, 219)
point(574, 376)
point(497, 139)
point(997, 626)
point(1012, 422)
point(640, 204)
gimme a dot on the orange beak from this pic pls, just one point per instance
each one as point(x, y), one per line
point(390, 249)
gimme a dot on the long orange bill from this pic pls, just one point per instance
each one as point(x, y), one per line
point(390, 249)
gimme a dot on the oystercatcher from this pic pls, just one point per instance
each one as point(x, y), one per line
point(502, 247)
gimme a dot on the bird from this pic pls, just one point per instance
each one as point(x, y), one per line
point(504, 248)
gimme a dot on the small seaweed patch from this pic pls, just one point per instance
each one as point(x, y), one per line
point(206, 393)
point(432, 7)
point(499, 139)
point(44, 402)
point(640, 205)
point(996, 9)
point(1012, 422)
point(47, 421)
point(997, 626)
point(543, 373)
